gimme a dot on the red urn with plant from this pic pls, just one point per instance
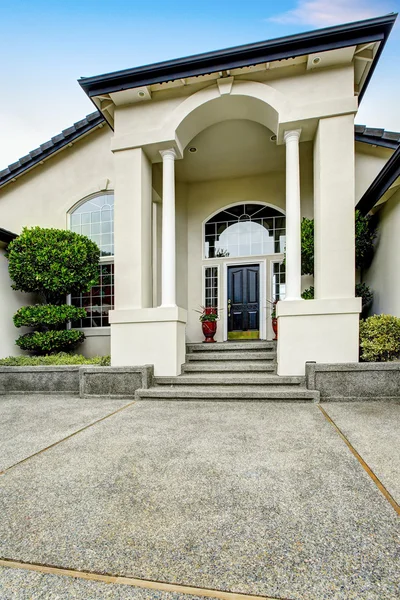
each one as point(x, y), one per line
point(208, 318)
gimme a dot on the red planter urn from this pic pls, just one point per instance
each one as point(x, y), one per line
point(275, 327)
point(209, 327)
point(209, 330)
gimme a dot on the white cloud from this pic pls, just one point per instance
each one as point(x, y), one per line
point(323, 13)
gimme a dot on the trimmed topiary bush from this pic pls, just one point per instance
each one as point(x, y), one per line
point(51, 263)
point(47, 314)
point(47, 342)
point(380, 338)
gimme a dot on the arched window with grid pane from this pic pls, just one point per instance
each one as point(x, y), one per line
point(95, 218)
point(248, 229)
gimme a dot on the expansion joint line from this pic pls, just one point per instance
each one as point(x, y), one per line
point(20, 462)
point(133, 581)
point(362, 462)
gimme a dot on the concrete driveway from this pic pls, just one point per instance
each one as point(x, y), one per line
point(253, 498)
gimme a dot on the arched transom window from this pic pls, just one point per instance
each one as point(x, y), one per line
point(95, 218)
point(245, 230)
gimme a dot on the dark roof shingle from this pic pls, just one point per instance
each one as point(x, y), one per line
point(50, 147)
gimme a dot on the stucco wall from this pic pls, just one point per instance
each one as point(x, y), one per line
point(383, 275)
point(43, 197)
point(10, 302)
point(369, 160)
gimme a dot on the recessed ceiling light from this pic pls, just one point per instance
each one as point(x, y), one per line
point(316, 60)
point(141, 94)
point(192, 149)
point(273, 138)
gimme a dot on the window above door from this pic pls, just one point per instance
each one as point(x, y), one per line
point(247, 229)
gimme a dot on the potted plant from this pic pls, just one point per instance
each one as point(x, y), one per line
point(274, 321)
point(208, 318)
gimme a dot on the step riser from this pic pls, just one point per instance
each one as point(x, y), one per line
point(216, 399)
point(237, 369)
point(231, 347)
point(214, 394)
point(229, 382)
point(221, 356)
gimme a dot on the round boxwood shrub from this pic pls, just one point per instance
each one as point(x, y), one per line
point(47, 315)
point(51, 263)
point(48, 342)
point(380, 338)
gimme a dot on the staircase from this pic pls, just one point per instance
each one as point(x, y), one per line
point(230, 371)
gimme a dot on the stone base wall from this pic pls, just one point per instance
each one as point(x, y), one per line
point(354, 381)
point(83, 380)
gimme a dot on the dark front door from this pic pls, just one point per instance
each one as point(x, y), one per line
point(243, 302)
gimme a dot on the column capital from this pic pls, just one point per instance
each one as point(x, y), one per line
point(169, 153)
point(292, 134)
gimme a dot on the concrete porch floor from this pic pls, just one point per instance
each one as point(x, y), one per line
point(253, 498)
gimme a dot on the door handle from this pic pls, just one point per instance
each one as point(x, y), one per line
point(229, 307)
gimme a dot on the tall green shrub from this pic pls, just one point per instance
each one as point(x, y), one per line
point(365, 234)
point(51, 263)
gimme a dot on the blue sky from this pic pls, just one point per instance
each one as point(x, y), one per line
point(46, 45)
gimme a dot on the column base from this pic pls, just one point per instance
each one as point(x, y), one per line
point(323, 331)
point(149, 336)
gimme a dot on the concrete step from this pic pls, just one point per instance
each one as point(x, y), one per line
point(195, 380)
point(231, 355)
point(249, 346)
point(229, 366)
point(281, 394)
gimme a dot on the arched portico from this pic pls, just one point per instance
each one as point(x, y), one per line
point(167, 141)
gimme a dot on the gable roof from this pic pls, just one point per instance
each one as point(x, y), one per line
point(377, 137)
point(58, 142)
point(320, 40)
point(382, 182)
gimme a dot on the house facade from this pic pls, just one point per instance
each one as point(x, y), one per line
point(193, 177)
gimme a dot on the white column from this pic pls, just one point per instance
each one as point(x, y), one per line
point(334, 252)
point(293, 216)
point(168, 259)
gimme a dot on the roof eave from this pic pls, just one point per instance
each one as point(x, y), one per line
point(385, 178)
point(370, 30)
point(6, 236)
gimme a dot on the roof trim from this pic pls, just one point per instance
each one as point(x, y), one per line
point(320, 40)
point(385, 178)
point(377, 137)
point(7, 236)
point(67, 136)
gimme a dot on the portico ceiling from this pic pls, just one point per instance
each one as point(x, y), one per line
point(236, 148)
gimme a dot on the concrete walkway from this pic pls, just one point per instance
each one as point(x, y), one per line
point(252, 498)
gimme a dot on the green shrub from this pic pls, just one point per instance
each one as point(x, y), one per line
point(365, 234)
point(380, 338)
point(365, 293)
point(362, 291)
point(61, 358)
point(365, 237)
point(53, 262)
point(47, 342)
point(308, 294)
point(47, 315)
point(307, 246)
